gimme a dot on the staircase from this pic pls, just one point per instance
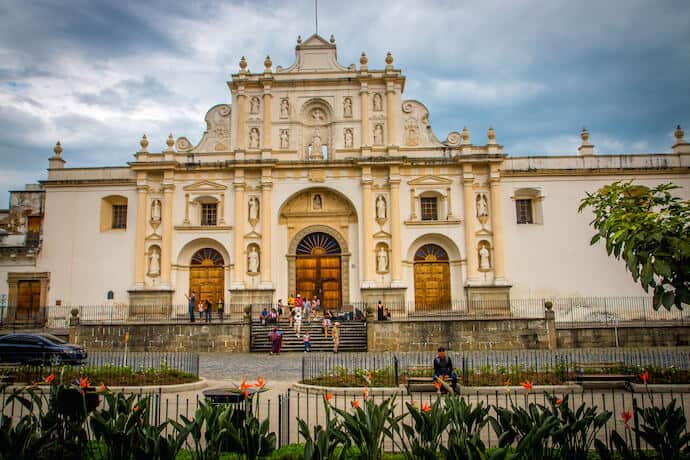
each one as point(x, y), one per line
point(353, 337)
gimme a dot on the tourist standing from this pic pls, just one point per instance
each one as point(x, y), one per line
point(336, 336)
point(307, 309)
point(201, 309)
point(326, 323)
point(208, 309)
point(220, 307)
point(274, 337)
point(307, 342)
point(192, 304)
point(298, 320)
point(379, 311)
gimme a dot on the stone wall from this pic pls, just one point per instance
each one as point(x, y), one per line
point(630, 337)
point(489, 334)
point(226, 337)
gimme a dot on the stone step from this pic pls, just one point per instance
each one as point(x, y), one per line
point(353, 337)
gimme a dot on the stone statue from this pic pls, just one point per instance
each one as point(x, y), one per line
point(254, 138)
point(317, 202)
point(253, 260)
point(482, 206)
point(316, 143)
point(484, 263)
point(378, 102)
point(411, 132)
point(253, 209)
point(347, 107)
point(348, 138)
point(381, 207)
point(154, 263)
point(382, 260)
point(156, 211)
point(284, 139)
point(284, 108)
point(378, 135)
point(254, 107)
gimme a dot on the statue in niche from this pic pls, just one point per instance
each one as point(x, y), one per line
point(484, 263)
point(482, 206)
point(348, 138)
point(254, 138)
point(154, 262)
point(253, 260)
point(378, 102)
point(378, 135)
point(254, 105)
point(284, 108)
point(411, 132)
point(382, 260)
point(381, 208)
point(284, 139)
point(318, 115)
point(253, 209)
point(316, 142)
point(317, 202)
point(156, 211)
point(347, 107)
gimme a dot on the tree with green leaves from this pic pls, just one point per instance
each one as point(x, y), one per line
point(649, 228)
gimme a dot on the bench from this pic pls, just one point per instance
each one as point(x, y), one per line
point(420, 384)
point(582, 376)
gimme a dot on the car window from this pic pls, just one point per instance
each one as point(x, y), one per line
point(9, 340)
point(53, 339)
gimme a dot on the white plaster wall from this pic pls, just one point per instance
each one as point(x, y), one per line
point(85, 263)
point(555, 259)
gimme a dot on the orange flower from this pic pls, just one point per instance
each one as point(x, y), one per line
point(507, 382)
point(527, 385)
point(626, 415)
point(426, 407)
point(437, 385)
point(329, 396)
point(135, 408)
point(355, 404)
point(260, 383)
point(645, 377)
point(559, 402)
point(413, 403)
point(244, 385)
point(366, 393)
point(50, 379)
point(245, 393)
point(84, 382)
point(102, 387)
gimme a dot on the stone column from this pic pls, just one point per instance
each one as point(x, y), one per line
point(497, 222)
point(238, 231)
point(140, 247)
point(186, 208)
point(241, 116)
point(266, 224)
point(449, 202)
point(364, 94)
point(391, 109)
point(166, 250)
point(221, 211)
point(267, 119)
point(396, 233)
point(413, 211)
point(368, 220)
point(470, 217)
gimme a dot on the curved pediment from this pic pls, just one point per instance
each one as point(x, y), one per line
point(216, 138)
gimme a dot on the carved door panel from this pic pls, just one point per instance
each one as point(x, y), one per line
point(432, 285)
point(319, 276)
point(207, 276)
point(28, 299)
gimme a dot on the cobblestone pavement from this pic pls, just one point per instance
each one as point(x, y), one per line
point(286, 367)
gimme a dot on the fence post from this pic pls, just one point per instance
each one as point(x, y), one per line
point(395, 367)
point(465, 378)
point(637, 424)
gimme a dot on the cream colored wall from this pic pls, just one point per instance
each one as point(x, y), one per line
point(555, 259)
point(85, 263)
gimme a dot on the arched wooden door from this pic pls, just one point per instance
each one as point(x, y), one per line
point(431, 278)
point(207, 275)
point(317, 269)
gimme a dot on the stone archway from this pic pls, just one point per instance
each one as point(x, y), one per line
point(344, 256)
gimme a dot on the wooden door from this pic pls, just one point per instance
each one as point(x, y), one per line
point(319, 276)
point(431, 278)
point(28, 298)
point(207, 276)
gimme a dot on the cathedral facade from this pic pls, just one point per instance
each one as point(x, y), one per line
point(323, 180)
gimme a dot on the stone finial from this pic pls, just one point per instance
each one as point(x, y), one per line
point(144, 143)
point(299, 39)
point(332, 39)
point(491, 135)
point(268, 63)
point(363, 60)
point(170, 141)
point(389, 60)
point(584, 134)
point(57, 149)
point(586, 148)
point(56, 161)
point(679, 133)
point(465, 136)
point(243, 64)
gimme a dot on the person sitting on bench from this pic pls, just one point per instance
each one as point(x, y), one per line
point(443, 369)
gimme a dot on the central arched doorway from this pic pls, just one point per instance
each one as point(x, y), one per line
point(207, 275)
point(318, 269)
point(431, 278)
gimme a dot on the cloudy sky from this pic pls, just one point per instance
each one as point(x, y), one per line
point(97, 74)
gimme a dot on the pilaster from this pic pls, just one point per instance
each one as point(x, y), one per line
point(364, 104)
point(238, 227)
point(468, 202)
point(166, 251)
point(392, 112)
point(241, 117)
point(266, 212)
point(268, 98)
point(396, 233)
point(368, 218)
point(497, 223)
point(139, 257)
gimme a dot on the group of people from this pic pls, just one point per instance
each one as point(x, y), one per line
point(204, 307)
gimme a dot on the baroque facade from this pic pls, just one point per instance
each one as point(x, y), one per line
point(321, 179)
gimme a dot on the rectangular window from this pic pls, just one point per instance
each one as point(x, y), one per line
point(119, 216)
point(208, 213)
point(429, 208)
point(523, 209)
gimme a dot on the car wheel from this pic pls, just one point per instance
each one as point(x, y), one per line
point(55, 360)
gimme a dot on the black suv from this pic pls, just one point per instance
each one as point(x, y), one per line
point(39, 349)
